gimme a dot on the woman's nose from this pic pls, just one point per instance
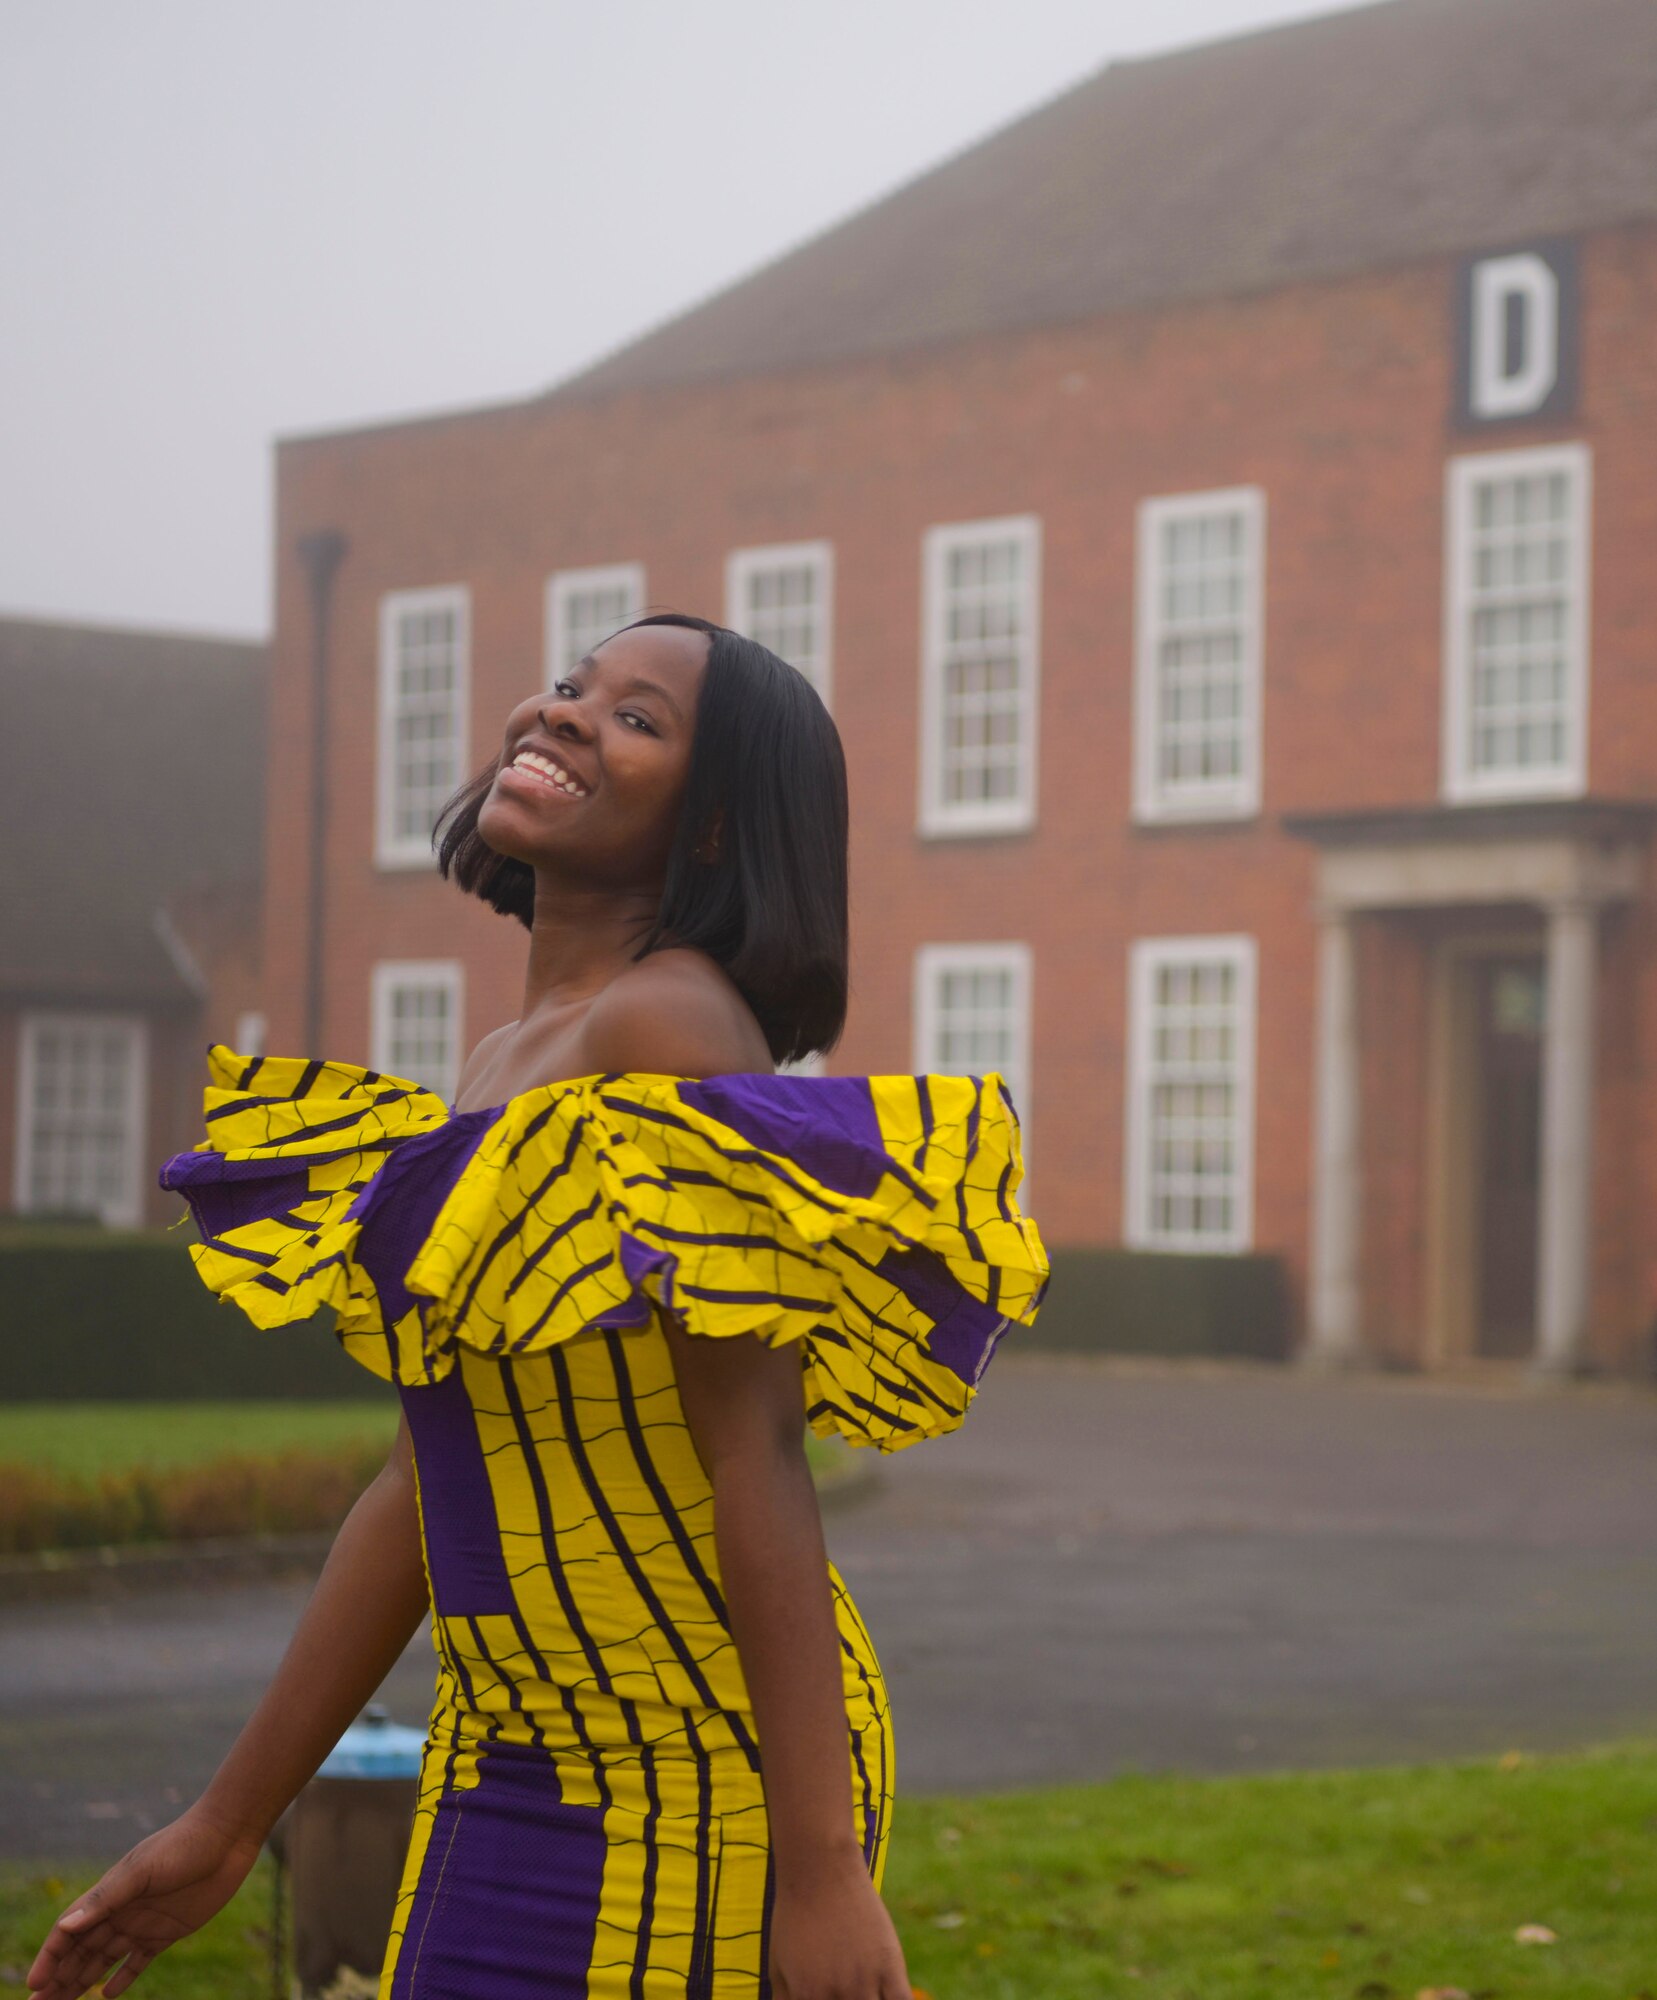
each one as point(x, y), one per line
point(555, 712)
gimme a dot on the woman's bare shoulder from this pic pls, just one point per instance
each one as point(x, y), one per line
point(677, 1012)
point(477, 1063)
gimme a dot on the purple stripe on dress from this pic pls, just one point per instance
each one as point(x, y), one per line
point(229, 1194)
point(457, 1504)
point(965, 1330)
point(638, 1260)
point(826, 1124)
point(400, 1204)
point(506, 1907)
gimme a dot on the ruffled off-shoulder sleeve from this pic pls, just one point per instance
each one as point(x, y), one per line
point(873, 1219)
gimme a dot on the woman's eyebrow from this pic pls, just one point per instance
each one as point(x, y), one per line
point(637, 686)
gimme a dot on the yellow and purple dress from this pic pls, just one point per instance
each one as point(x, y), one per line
point(591, 1819)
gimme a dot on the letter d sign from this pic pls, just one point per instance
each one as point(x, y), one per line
point(1516, 329)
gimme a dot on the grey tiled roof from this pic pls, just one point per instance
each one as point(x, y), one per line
point(1406, 130)
point(132, 771)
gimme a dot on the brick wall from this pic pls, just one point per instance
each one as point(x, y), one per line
point(1333, 399)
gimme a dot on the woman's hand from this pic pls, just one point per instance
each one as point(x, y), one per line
point(832, 1939)
point(168, 1886)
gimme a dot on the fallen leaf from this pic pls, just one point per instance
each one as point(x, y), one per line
point(1330, 1960)
point(948, 1836)
point(1163, 1867)
point(949, 1920)
point(987, 1949)
point(1444, 1993)
point(1535, 1934)
point(1414, 1893)
point(1510, 1760)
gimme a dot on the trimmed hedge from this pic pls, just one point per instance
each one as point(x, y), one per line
point(1111, 1300)
point(284, 1493)
point(120, 1314)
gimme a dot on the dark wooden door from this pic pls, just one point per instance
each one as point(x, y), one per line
point(1512, 995)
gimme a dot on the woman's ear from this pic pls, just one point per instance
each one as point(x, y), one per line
point(707, 848)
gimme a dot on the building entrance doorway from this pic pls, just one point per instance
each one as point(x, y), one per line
point(1510, 994)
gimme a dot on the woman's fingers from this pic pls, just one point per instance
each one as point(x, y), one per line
point(130, 1967)
point(60, 1958)
point(70, 1962)
point(72, 1977)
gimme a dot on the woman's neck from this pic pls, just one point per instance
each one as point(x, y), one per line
point(579, 940)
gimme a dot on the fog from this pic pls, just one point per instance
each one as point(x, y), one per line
point(224, 224)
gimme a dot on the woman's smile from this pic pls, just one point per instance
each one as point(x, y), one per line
point(533, 771)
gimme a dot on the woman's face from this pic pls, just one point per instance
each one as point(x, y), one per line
point(619, 725)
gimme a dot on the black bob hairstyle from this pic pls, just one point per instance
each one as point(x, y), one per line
point(771, 908)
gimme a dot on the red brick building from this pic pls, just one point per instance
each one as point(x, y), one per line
point(1220, 512)
point(132, 797)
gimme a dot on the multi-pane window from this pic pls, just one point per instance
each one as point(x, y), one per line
point(424, 643)
point(416, 1022)
point(784, 598)
point(972, 1015)
point(584, 607)
point(979, 676)
point(1190, 1125)
point(1516, 635)
point(80, 1124)
point(1197, 697)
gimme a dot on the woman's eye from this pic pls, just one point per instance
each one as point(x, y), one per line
point(627, 714)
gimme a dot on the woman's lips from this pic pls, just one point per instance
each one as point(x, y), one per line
point(528, 781)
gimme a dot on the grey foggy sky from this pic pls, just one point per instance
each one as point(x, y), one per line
point(223, 223)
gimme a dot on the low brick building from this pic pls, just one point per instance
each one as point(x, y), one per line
point(1219, 512)
point(132, 806)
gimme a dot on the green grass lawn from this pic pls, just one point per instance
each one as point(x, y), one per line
point(89, 1438)
point(1347, 1885)
point(86, 1439)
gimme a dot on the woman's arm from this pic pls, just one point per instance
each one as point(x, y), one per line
point(831, 1939)
point(367, 1605)
point(745, 1404)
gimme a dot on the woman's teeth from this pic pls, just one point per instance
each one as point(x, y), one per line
point(544, 768)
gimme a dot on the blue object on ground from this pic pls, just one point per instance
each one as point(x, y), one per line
point(374, 1747)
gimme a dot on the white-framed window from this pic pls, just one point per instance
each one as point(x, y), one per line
point(972, 1014)
point(980, 668)
point(425, 645)
point(584, 607)
point(1516, 623)
point(784, 598)
point(1200, 615)
point(83, 1085)
point(417, 1008)
point(1189, 1183)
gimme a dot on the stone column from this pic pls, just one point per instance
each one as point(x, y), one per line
point(1564, 1259)
point(1336, 1318)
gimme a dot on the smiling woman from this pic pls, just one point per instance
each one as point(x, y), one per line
point(718, 813)
point(614, 1284)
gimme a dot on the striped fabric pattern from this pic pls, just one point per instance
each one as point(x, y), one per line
point(591, 1819)
point(874, 1219)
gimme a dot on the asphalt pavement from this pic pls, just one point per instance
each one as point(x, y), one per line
point(1112, 1566)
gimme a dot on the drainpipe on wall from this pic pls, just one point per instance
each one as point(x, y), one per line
point(321, 553)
